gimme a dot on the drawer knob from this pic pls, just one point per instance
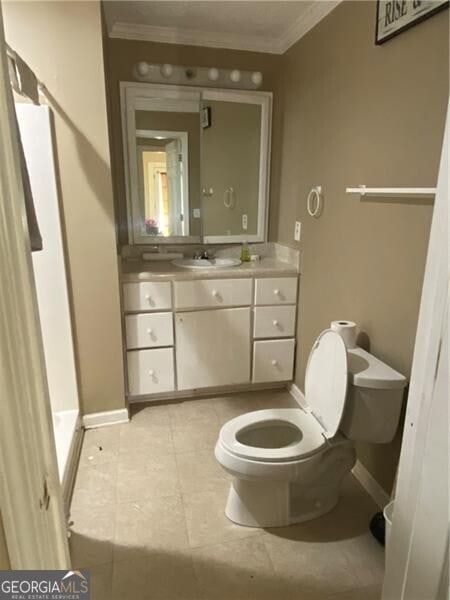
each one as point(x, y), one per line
point(274, 362)
point(275, 323)
point(276, 292)
point(149, 331)
point(215, 293)
point(151, 372)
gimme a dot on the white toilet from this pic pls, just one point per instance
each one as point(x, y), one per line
point(288, 463)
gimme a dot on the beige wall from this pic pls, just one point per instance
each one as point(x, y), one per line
point(62, 43)
point(358, 113)
point(122, 55)
point(4, 557)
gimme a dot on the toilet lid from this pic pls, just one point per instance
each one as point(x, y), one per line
point(326, 381)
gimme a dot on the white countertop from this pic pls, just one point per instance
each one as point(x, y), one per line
point(137, 270)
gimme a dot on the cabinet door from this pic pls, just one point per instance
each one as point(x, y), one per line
point(212, 348)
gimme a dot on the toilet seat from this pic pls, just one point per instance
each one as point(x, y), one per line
point(308, 439)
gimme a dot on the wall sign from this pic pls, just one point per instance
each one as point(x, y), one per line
point(394, 16)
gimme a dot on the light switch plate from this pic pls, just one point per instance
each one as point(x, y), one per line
point(244, 222)
point(297, 231)
point(196, 213)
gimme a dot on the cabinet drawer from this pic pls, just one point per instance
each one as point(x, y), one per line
point(213, 292)
point(279, 290)
point(273, 360)
point(146, 295)
point(274, 321)
point(150, 371)
point(148, 330)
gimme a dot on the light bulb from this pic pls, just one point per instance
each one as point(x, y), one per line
point(213, 74)
point(235, 75)
point(257, 78)
point(166, 70)
point(143, 68)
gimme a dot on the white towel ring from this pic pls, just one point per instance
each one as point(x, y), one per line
point(314, 202)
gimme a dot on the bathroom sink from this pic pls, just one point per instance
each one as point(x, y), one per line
point(204, 263)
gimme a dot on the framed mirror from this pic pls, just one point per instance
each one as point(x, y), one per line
point(196, 163)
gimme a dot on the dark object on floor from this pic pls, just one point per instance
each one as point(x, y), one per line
point(378, 527)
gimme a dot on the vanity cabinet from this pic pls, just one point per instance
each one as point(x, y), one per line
point(185, 336)
point(213, 348)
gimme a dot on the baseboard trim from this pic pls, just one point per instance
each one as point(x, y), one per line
point(70, 473)
point(103, 419)
point(371, 485)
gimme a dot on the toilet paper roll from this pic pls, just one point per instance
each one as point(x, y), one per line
point(347, 330)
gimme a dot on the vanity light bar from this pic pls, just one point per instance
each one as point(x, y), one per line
point(201, 76)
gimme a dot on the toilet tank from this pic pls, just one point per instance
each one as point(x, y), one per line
point(374, 399)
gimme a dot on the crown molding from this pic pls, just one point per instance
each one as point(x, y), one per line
point(192, 37)
point(305, 22)
point(231, 41)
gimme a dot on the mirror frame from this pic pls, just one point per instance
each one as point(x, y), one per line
point(132, 95)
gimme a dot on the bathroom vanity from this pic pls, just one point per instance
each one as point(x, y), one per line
point(196, 164)
point(188, 332)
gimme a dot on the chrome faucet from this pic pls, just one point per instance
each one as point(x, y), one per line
point(204, 254)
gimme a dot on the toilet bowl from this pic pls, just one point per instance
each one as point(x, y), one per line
point(288, 464)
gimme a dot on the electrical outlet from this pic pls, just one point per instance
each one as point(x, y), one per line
point(244, 222)
point(297, 231)
point(196, 213)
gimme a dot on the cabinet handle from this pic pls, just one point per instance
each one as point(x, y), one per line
point(151, 372)
point(215, 293)
point(275, 323)
point(276, 292)
point(147, 296)
point(274, 362)
point(149, 331)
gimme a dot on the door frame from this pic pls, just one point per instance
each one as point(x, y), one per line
point(30, 492)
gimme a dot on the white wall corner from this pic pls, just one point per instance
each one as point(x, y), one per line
point(103, 419)
point(305, 22)
point(371, 485)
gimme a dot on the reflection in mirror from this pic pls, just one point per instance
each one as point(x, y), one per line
point(167, 148)
point(163, 181)
point(231, 144)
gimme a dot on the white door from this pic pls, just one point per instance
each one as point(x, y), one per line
point(30, 492)
point(213, 348)
point(174, 188)
point(417, 557)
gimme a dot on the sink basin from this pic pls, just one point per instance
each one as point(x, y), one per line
point(203, 263)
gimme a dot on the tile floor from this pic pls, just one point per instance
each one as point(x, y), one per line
point(149, 523)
